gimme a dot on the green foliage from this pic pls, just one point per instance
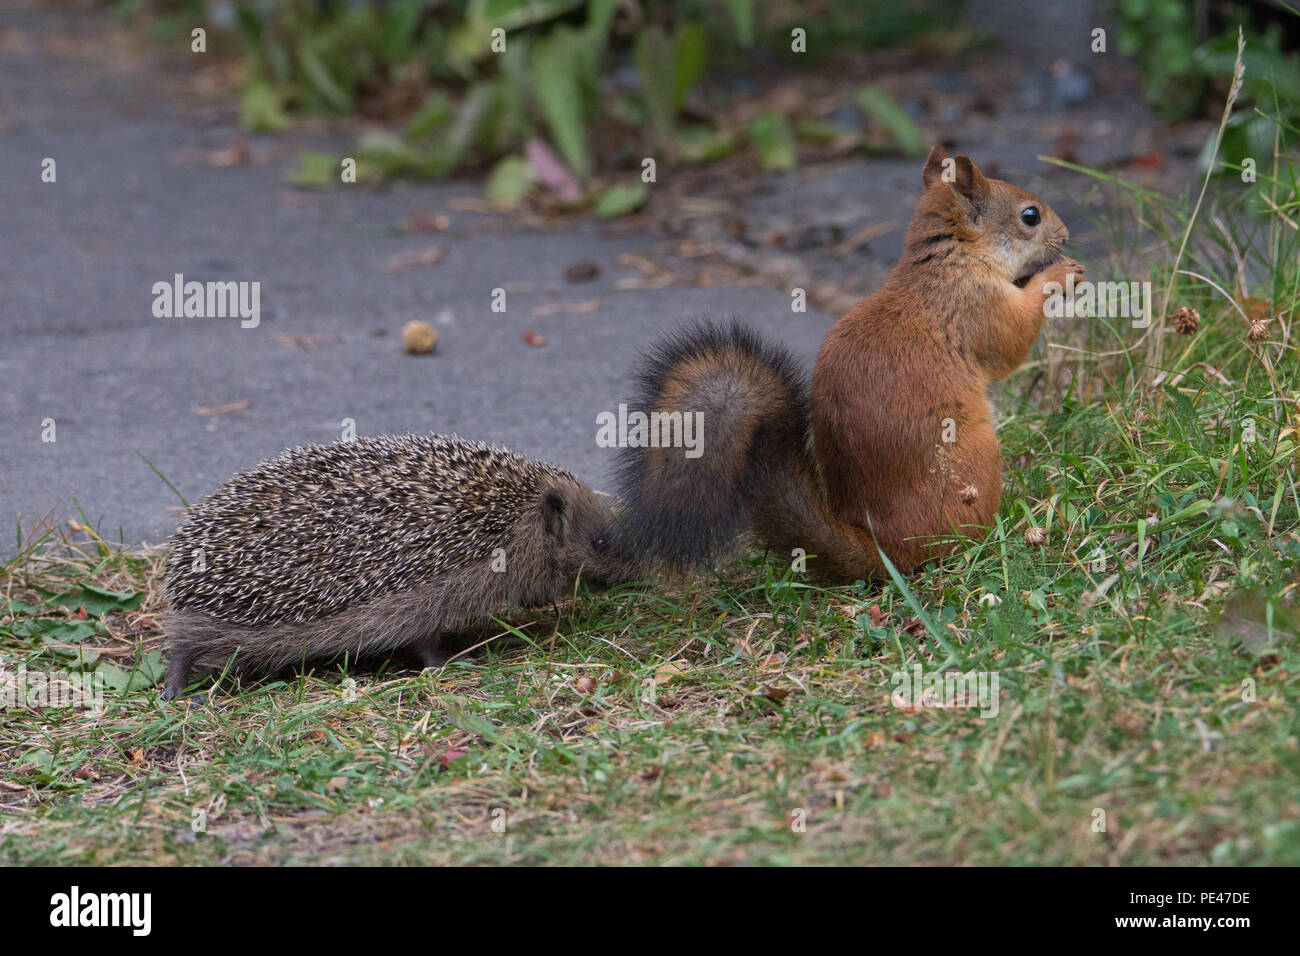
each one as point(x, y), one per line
point(1179, 70)
point(878, 107)
point(496, 73)
point(774, 138)
point(621, 198)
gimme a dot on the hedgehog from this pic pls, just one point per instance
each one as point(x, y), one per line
point(368, 546)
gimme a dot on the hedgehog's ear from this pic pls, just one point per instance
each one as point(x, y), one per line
point(555, 513)
point(933, 165)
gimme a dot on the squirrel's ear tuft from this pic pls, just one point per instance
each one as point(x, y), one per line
point(555, 513)
point(933, 165)
point(970, 182)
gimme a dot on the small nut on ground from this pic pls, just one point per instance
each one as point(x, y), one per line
point(1035, 537)
point(419, 338)
point(585, 685)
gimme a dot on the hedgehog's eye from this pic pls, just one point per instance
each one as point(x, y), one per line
point(1029, 216)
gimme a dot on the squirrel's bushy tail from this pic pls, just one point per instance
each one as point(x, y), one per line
point(750, 402)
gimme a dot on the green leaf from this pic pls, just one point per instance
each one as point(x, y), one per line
point(881, 109)
point(435, 112)
point(513, 14)
point(771, 134)
point(473, 723)
point(95, 600)
point(655, 55)
point(692, 51)
point(318, 75)
point(260, 110)
point(700, 144)
point(621, 199)
point(147, 672)
point(316, 170)
point(823, 133)
point(449, 152)
point(54, 629)
point(384, 154)
point(742, 13)
point(509, 181)
point(555, 76)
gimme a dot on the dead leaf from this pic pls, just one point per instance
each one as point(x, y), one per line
point(581, 271)
point(236, 154)
point(222, 409)
point(307, 343)
point(570, 308)
point(413, 259)
point(533, 339)
point(666, 672)
point(419, 222)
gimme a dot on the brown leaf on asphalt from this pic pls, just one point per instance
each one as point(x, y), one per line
point(222, 409)
point(419, 222)
point(533, 339)
point(307, 343)
point(236, 154)
point(570, 308)
point(413, 259)
point(581, 271)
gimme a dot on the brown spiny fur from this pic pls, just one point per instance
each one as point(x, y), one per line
point(365, 547)
point(860, 460)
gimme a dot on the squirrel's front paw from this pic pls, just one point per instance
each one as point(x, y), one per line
point(1058, 272)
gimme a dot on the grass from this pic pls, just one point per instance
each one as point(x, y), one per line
point(1145, 651)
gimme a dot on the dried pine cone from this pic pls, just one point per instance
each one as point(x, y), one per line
point(1186, 321)
point(1258, 331)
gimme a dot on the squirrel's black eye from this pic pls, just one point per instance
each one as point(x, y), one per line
point(598, 544)
point(1029, 216)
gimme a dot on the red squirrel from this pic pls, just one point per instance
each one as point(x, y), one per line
point(892, 449)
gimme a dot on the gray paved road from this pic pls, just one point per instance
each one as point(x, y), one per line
point(131, 207)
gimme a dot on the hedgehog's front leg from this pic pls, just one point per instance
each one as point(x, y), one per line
point(431, 651)
point(178, 671)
